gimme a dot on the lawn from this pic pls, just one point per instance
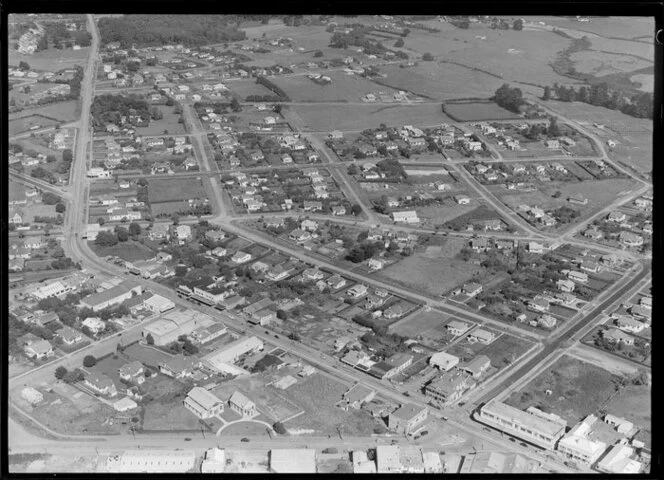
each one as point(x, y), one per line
point(355, 118)
point(635, 404)
point(317, 394)
point(505, 350)
point(473, 112)
point(244, 88)
point(63, 111)
point(175, 189)
point(443, 214)
point(20, 125)
point(169, 417)
point(129, 251)
point(427, 327)
point(431, 271)
point(168, 123)
point(242, 429)
point(578, 389)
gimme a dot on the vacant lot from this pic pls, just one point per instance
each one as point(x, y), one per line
point(635, 404)
point(578, 389)
point(505, 350)
point(172, 189)
point(343, 88)
point(432, 272)
point(129, 250)
point(166, 126)
point(472, 112)
point(50, 60)
point(448, 211)
point(241, 429)
point(359, 117)
point(244, 88)
point(318, 394)
point(25, 123)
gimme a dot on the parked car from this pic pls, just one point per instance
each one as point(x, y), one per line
point(245, 439)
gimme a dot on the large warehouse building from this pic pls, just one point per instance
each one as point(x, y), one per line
point(170, 326)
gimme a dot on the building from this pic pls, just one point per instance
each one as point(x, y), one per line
point(242, 405)
point(494, 463)
point(407, 418)
point(181, 233)
point(577, 446)
point(170, 326)
point(630, 239)
point(629, 324)
point(124, 405)
point(361, 462)
point(357, 395)
point(623, 426)
point(477, 366)
point(449, 387)
point(461, 199)
point(31, 395)
point(543, 430)
point(100, 383)
point(443, 361)
point(112, 296)
point(94, 324)
point(456, 327)
point(70, 336)
point(399, 459)
point(132, 372)
point(38, 349)
point(214, 461)
point(613, 335)
point(578, 277)
point(293, 460)
point(539, 304)
point(159, 231)
point(203, 403)
point(232, 352)
point(152, 461)
point(482, 336)
point(408, 216)
point(619, 460)
point(566, 285)
point(179, 366)
point(471, 289)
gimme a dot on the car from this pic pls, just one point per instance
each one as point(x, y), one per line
point(187, 439)
point(245, 439)
point(487, 429)
point(276, 336)
point(425, 432)
point(511, 439)
point(524, 444)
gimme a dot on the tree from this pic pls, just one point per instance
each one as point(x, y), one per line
point(106, 239)
point(89, 361)
point(399, 43)
point(156, 113)
point(518, 24)
point(134, 229)
point(282, 314)
point(547, 93)
point(60, 372)
point(235, 105)
point(277, 108)
point(356, 209)
point(554, 129)
point(60, 207)
point(318, 54)
point(427, 57)
point(180, 271)
point(50, 198)
point(122, 234)
point(149, 339)
point(101, 221)
point(51, 159)
point(23, 66)
point(509, 98)
point(279, 428)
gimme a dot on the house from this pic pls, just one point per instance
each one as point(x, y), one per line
point(646, 302)
point(70, 336)
point(240, 257)
point(336, 282)
point(643, 203)
point(299, 235)
point(623, 426)
point(629, 324)
point(477, 366)
point(547, 321)
point(178, 367)
point(335, 134)
point(242, 405)
point(553, 144)
point(539, 304)
point(407, 418)
point(616, 216)
point(100, 383)
point(630, 239)
point(449, 387)
point(203, 403)
point(309, 225)
point(338, 210)
point(357, 395)
point(565, 285)
point(357, 290)
point(409, 216)
point(578, 277)
point(589, 265)
point(461, 199)
point(577, 199)
point(471, 289)
point(38, 349)
point(375, 264)
point(614, 335)
point(535, 247)
point(94, 324)
point(482, 336)
point(443, 361)
point(159, 231)
point(132, 372)
point(309, 206)
point(456, 327)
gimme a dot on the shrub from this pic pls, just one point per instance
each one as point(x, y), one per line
point(89, 361)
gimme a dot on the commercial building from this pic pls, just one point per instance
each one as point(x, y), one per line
point(533, 425)
point(214, 461)
point(112, 296)
point(449, 387)
point(357, 395)
point(407, 418)
point(293, 460)
point(399, 459)
point(152, 461)
point(443, 361)
point(361, 462)
point(230, 353)
point(493, 463)
point(203, 403)
point(619, 460)
point(242, 405)
point(577, 445)
point(409, 216)
point(175, 323)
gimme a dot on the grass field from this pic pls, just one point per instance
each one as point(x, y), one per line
point(471, 112)
point(50, 60)
point(63, 111)
point(426, 327)
point(604, 63)
point(440, 215)
point(169, 122)
point(173, 189)
point(360, 117)
point(249, 429)
point(579, 389)
point(505, 350)
point(244, 88)
point(21, 125)
point(635, 404)
point(646, 80)
point(434, 272)
point(343, 88)
point(129, 250)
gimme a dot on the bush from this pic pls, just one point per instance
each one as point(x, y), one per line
point(149, 339)
point(60, 372)
point(427, 57)
point(89, 361)
point(279, 428)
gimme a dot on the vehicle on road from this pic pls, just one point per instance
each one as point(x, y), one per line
point(245, 439)
point(187, 439)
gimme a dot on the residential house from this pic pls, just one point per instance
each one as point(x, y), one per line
point(100, 383)
point(456, 327)
point(132, 372)
point(477, 366)
point(444, 361)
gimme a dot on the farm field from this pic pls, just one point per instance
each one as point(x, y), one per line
point(244, 88)
point(344, 88)
point(604, 63)
point(633, 135)
point(50, 60)
point(473, 112)
point(578, 389)
point(63, 111)
point(434, 272)
point(360, 117)
point(610, 27)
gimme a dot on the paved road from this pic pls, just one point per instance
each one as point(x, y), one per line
point(565, 335)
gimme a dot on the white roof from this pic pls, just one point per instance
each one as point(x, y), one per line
point(204, 398)
point(124, 404)
point(293, 460)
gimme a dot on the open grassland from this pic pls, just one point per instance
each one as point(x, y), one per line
point(359, 117)
point(129, 250)
point(443, 214)
point(431, 272)
point(635, 404)
point(646, 80)
point(244, 88)
point(64, 111)
point(578, 389)
point(50, 60)
point(505, 350)
point(628, 28)
point(604, 63)
point(24, 124)
point(344, 88)
point(168, 123)
point(472, 112)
